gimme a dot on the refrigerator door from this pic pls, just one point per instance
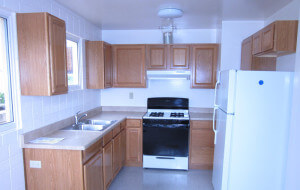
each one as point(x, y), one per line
point(260, 130)
point(226, 91)
point(222, 149)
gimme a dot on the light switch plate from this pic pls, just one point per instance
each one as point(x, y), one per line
point(35, 164)
point(130, 95)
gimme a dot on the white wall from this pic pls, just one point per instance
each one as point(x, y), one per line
point(156, 88)
point(289, 12)
point(40, 111)
point(156, 36)
point(233, 33)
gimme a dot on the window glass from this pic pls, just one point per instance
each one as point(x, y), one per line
point(6, 115)
point(72, 62)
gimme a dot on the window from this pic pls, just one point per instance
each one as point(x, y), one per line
point(6, 112)
point(73, 63)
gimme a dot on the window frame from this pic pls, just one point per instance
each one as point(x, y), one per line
point(14, 72)
point(78, 40)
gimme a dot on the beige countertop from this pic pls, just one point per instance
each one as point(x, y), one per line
point(80, 140)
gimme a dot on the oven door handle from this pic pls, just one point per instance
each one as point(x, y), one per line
point(165, 158)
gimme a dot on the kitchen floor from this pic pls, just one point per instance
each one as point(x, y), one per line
point(137, 178)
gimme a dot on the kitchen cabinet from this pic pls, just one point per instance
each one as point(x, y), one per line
point(204, 58)
point(64, 169)
point(123, 142)
point(98, 64)
point(201, 153)
point(42, 54)
point(134, 147)
point(179, 56)
point(277, 39)
point(250, 62)
point(117, 154)
point(156, 57)
point(93, 175)
point(107, 164)
point(129, 66)
point(246, 57)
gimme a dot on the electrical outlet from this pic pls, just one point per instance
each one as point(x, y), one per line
point(130, 95)
point(35, 164)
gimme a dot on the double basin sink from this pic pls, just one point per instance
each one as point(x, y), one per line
point(91, 125)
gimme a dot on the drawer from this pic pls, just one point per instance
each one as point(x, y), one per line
point(133, 123)
point(116, 130)
point(91, 151)
point(201, 124)
point(107, 138)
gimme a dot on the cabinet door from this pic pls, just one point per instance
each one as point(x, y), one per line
point(129, 66)
point(267, 38)
point(246, 57)
point(117, 154)
point(179, 56)
point(201, 145)
point(123, 147)
point(107, 164)
point(256, 39)
point(108, 65)
point(58, 59)
point(93, 175)
point(156, 57)
point(204, 65)
point(134, 152)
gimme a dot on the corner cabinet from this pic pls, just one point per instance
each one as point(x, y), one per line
point(129, 66)
point(42, 54)
point(204, 58)
point(98, 64)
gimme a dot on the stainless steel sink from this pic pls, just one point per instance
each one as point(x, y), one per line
point(91, 125)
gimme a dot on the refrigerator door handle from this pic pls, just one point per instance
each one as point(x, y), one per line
point(215, 98)
point(214, 124)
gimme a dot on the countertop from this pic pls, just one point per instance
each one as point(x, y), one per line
point(81, 140)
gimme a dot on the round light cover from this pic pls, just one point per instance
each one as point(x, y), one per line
point(170, 13)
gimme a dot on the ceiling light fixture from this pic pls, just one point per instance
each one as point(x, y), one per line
point(170, 13)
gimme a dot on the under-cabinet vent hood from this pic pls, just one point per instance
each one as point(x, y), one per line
point(168, 75)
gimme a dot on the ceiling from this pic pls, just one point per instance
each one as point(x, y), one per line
point(198, 14)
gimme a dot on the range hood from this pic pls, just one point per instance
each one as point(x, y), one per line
point(179, 74)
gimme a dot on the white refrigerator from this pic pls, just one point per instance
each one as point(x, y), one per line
point(252, 111)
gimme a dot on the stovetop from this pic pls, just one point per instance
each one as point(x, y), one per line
point(167, 114)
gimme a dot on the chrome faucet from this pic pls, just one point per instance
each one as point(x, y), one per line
point(77, 119)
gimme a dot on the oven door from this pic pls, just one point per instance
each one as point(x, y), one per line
point(166, 138)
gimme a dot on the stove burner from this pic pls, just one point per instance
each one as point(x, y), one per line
point(156, 114)
point(174, 114)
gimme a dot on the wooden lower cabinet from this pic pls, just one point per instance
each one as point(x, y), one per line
point(201, 145)
point(93, 174)
point(134, 142)
point(117, 162)
point(107, 164)
point(123, 146)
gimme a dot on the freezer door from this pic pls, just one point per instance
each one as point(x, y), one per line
point(260, 130)
point(222, 149)
point(226, 91)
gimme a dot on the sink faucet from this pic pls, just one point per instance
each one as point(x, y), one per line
point(77, 119)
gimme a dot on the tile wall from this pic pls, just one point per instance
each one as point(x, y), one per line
point(40, 111)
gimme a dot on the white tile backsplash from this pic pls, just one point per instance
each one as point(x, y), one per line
point(40, 111)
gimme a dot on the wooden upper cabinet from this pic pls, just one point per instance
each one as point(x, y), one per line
point(204, 58)
point(256, 41)
point(246, 57)
point(278, 38)
point(93, 175)
point(42, 54)
point(179, 56)
point(98, 64)
point(156, 57)
point(129, 66)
